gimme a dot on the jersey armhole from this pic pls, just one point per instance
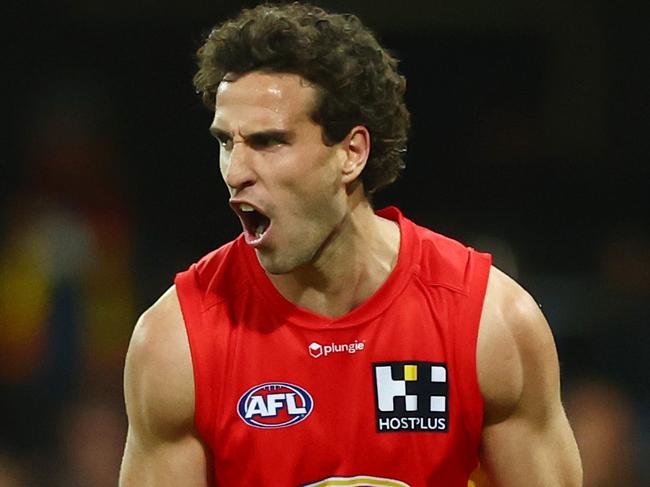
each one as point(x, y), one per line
point(190, 299)
point(478, 272)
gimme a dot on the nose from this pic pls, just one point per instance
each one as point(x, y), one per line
point(236, 167)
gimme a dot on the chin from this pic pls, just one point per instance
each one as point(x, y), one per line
point(277, 265)
point(275, 270)
point(273, 265)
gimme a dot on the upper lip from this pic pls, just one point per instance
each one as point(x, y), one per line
point(249, 220)
point(235, 204)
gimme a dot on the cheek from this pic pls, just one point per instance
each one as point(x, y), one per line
point(306, 181)
point(312, 194)
point(322, 175)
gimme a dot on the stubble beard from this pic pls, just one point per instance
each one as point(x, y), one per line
point(293, 257)
point(284, 261)
point(304, 250)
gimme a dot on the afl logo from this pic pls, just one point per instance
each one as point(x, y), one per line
point(275, 405)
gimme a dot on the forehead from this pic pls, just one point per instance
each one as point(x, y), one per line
point(259, 97)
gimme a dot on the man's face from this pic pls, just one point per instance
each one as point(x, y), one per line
point(285, 183)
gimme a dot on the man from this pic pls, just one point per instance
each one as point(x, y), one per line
point(329, 344)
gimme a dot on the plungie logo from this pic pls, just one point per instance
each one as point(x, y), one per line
point(317, 350)
point(274, 405)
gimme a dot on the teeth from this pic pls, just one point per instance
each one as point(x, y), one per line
point(259, 231)
point(246, 208)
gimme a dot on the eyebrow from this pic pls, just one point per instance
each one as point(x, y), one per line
point(275, 134)
point(217, 133)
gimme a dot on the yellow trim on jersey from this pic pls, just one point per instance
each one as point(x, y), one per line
point(358, 481)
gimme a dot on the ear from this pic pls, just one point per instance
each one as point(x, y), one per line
point(357, 152)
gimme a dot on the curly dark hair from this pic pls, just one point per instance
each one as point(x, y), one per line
point(357, 80)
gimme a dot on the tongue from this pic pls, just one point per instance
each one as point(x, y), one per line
point(261, 225)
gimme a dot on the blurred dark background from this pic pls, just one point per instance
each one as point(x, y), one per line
point(530, 140)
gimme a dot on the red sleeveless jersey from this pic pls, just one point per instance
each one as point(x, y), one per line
point(386, 395)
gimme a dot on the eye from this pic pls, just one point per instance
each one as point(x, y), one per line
point(225, 142)
point(264, 141)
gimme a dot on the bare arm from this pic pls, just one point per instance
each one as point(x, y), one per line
point(526, 437)
point(162, 446)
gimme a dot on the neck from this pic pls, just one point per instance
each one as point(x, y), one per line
point(353, 263)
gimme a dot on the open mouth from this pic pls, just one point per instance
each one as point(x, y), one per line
point(255, 222)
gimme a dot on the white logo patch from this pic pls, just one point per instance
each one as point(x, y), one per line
point(411, 396)
point(275, 405)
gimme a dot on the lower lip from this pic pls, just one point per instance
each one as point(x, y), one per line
point(254, 241)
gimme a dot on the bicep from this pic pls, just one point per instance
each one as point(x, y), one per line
point(182, 461)
point(526, 438)
point(162, 447)
point(518, 451)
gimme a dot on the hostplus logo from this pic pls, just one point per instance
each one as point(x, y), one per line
point(317, 350)
point(411, 396)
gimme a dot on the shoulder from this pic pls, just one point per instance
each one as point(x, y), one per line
point(216, 274)
point(516, 356)
point(446, 262)
point(159, 384)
